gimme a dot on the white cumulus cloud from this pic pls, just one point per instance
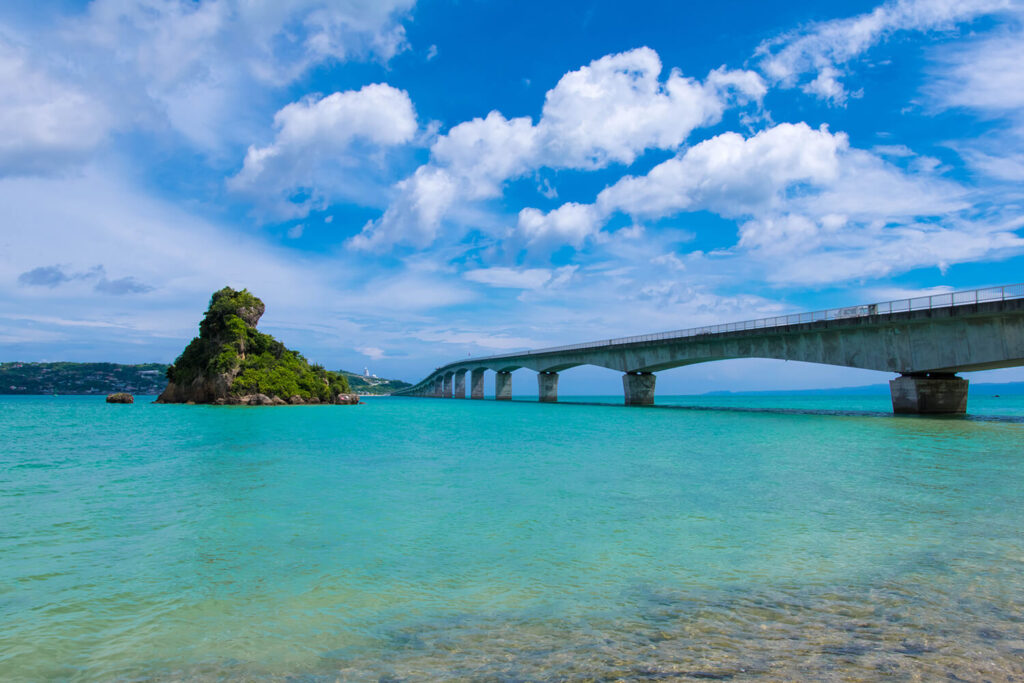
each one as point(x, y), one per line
point(730, 174)
point(204, 69)
point(811, 210)
point(617, 106)
point(570, 223)
point(609, 111)
point(318, 136)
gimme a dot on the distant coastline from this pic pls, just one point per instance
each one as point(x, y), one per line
point(94, 379)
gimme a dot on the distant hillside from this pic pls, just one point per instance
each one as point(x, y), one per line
point(82, 378)
point(144, 379)
point(373, 385)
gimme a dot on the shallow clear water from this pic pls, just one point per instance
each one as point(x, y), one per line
point(414, 539)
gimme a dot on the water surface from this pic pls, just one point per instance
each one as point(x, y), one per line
point(420, 539)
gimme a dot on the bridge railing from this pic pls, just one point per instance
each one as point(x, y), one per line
point(943, 300)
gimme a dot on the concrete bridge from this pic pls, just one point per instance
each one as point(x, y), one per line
point(927, 340)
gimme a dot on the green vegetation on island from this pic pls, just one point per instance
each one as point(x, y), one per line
point(232, 362)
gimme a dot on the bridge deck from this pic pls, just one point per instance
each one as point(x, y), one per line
point(937, 334)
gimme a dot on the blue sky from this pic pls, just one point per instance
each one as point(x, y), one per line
point(405, 183)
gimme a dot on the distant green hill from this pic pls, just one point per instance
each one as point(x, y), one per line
point(145, 379)
point(82, 378)
point(373, 385)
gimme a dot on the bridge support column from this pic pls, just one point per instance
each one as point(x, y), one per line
point(438, 388)
point(446, 390)
point(476, 386)
point(503, 386)
point(460, 384)
point(929, 394)
point(547, 387)
point(639, 388)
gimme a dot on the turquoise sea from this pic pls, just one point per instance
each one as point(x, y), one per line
point(729, 538)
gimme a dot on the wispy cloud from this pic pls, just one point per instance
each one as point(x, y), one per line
point(814, 56)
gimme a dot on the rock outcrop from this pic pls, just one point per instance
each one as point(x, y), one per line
point(232, 363)
point(120, 397)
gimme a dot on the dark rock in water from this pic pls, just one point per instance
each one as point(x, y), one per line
point(313, 401)
point(120, 397)
point(232, 363)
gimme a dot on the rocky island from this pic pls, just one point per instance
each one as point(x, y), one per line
point(231, 362)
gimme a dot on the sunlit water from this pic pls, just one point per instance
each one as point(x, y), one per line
point(765, 538)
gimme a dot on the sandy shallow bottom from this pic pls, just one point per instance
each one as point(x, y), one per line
point(888, 632)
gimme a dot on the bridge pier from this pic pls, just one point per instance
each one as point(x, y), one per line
point(476, 386)
point(547, 387)
point(929, 394)
point(446, 391)
point(460, 384)
point(638, 388)
point(435, 390)
point(503, 386)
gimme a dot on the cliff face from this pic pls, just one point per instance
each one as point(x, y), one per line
point(232, 362)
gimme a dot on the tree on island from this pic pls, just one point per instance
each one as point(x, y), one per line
point(231, 362)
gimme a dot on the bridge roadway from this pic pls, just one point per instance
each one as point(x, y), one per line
point(927, 340)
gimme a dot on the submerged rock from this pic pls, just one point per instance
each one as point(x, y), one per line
point(120, 397)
